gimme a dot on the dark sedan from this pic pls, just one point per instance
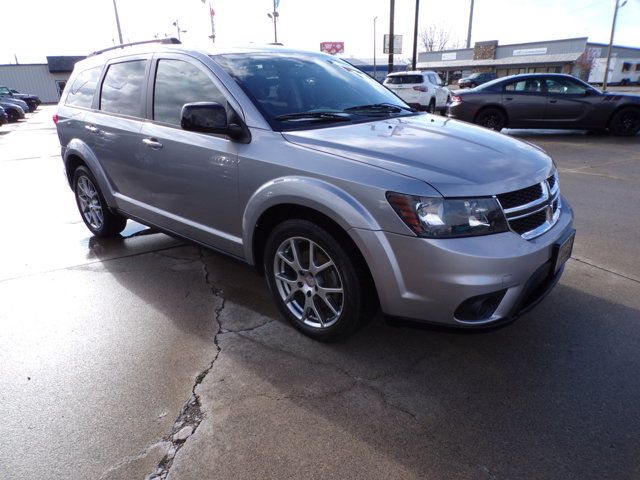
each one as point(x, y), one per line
point(546, 101)
point(476, 79)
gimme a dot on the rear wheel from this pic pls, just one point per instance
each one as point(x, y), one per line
point(491, 118)
point(92, 206)
point(625, 122)
point(318, 286)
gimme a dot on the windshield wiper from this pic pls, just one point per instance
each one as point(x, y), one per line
point(379, 108)
point(325, 116)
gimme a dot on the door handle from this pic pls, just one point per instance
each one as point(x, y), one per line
point(91, 128)
point(152, 143)
point(509, 98)
point(553, 101)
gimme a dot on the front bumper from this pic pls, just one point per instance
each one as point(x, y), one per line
point(428, 280)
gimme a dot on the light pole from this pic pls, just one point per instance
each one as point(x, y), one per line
point(115, 9)
point(392, 9)
point(470, 24)
point(374, 47)
point(415, 37)
point(613, 30)
point(177, 25)
point(274, 16)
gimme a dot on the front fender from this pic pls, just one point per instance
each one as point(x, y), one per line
point(80, 149)
point(313, 193)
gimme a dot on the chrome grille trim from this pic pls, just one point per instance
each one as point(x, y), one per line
point(549, 199)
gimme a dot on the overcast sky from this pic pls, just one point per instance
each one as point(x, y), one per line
point(37, 28)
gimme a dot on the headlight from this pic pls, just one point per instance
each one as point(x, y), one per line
point(449, 217)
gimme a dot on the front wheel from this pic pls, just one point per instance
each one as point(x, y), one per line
point(626, 122)
point(318, 286)
point(491, 118)
point(92, 206)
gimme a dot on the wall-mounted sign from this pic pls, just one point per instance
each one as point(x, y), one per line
point(449, 56)
point(530, 51)
point(397, 44)
point(332, 47)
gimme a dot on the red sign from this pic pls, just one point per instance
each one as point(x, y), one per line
point(332, 47)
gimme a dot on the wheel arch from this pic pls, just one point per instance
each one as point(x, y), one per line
point(619, 108)
point(76, 154)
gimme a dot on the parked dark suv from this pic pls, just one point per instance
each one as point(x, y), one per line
point(343, 196)
point(476, 79)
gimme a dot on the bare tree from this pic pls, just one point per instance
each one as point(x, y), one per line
point(434, 38)
point(585, 63)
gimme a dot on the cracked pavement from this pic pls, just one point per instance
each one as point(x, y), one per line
point(144, 358)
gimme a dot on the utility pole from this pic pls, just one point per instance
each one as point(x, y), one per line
point(391, 15)
point(470, 24)
point(115, 9)
point(374, 47)
point(415, 36)
point(613, 30)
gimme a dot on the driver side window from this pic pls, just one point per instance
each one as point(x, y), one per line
point(177, 83)
point(563, 86)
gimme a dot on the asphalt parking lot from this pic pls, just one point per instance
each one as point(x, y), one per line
point(143, 357)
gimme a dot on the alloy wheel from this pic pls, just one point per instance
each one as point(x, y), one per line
point(308, 282)
point(89, 202)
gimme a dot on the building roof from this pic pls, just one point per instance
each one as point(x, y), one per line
point(507, 61)
point(62, 64)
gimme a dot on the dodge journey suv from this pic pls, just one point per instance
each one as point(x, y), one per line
point(346, 199)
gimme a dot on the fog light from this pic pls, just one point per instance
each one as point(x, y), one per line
point(479, 308)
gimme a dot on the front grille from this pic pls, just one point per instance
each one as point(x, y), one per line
point(533, 210)
point(531, 222)
point(520, 197)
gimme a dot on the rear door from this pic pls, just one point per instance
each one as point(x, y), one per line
point(525, 102)
point(188, 180)
point(113, 126)
point(569, 104)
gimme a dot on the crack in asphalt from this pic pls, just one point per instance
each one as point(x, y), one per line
point(621, 275)
point(191, 415)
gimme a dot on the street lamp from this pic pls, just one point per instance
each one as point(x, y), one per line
point(177, 25)
point(274, 16)
point(613, 30)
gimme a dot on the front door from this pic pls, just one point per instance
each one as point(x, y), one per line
point(190, 179)
point(568, 102)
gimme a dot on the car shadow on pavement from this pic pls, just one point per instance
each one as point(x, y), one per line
point(554, 394)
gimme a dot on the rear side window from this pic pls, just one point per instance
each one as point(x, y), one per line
point(402, 79)
point(177, 83)
point(122, 88)
point(83, 87)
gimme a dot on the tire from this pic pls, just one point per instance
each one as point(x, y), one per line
point(491, 118)
point(432, 106)
point(298, 286)
point(625, 122)
point(93, 208)
point(12, 115)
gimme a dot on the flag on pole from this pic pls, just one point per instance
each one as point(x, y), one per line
point(211, 11)
point(213, 25)
point(276, 3)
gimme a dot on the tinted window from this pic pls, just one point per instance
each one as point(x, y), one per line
point(524, 86)
point(402, 79)
point(432, 79)
point(177, 83)
point(122, 89)
point(564, 86)
point(83, 88)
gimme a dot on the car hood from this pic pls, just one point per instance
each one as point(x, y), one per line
point(456, 158)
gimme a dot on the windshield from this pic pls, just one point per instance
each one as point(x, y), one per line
point(294, 90)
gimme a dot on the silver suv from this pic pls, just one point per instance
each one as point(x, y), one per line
point(346, 199)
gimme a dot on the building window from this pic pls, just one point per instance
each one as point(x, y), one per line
point(637, 67)
point(626, 66)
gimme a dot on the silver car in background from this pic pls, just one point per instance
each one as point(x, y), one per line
point(346, 199)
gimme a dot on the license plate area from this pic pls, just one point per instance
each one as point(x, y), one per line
point(562, 251)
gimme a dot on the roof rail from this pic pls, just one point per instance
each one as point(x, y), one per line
point(166, 41)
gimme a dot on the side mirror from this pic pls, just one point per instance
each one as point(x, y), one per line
point(205, 117)
point(211, 117)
